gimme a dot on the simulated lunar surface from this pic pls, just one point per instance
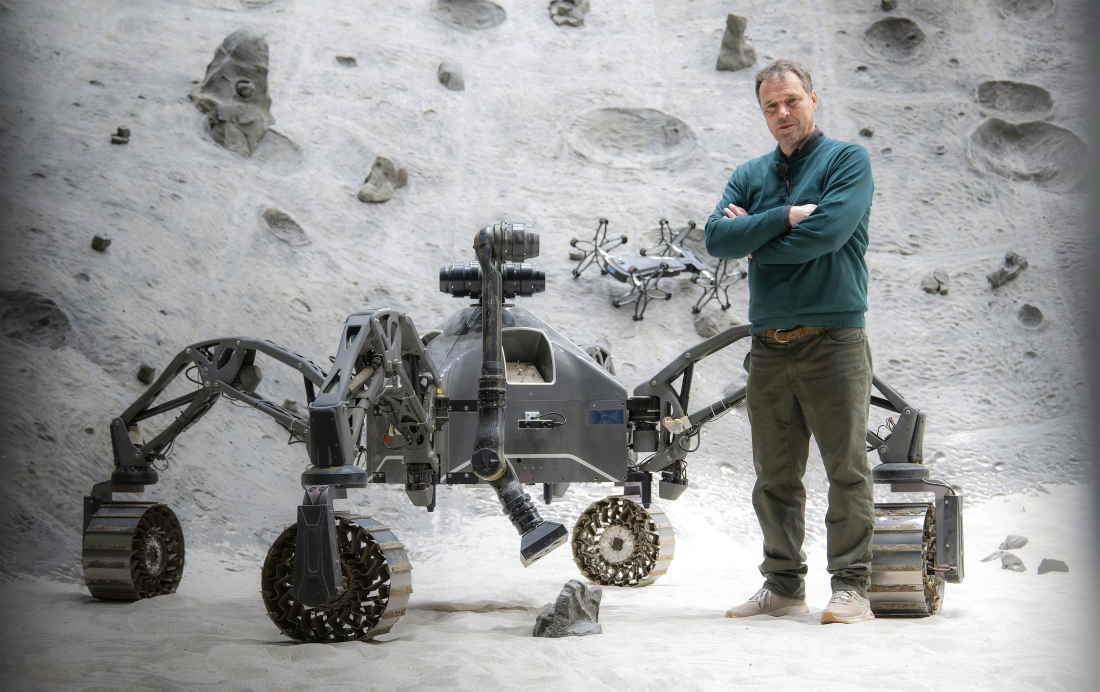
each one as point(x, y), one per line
point(245, 216)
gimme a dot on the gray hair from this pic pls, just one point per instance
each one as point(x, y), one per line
point(783, 67)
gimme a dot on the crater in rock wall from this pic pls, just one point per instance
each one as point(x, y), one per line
point(286, 229)
point(630, 136)
point(1024, 8)
point(1016, 99)
point(895, 38)
point(469, 14)
point(34, 319)
point(1051, 156)
point(1030, 316)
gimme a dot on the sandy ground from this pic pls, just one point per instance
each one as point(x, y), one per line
point(470, 618)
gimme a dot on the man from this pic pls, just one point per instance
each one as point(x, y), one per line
point(800, 214)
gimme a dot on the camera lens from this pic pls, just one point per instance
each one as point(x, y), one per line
point(518, 242)
point(461, 279)
point(523, 279)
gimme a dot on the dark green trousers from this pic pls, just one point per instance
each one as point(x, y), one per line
point(819, 385)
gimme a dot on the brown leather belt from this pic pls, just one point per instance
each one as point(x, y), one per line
point(785, 335)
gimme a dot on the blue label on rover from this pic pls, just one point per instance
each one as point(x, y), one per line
point(605, 417)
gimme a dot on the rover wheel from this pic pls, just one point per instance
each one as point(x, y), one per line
point(377, 583)
point(132, 550)
point(904, 581)
point(617, 542)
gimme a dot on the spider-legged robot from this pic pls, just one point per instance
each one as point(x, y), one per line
point(665, 259)
point(492, 396)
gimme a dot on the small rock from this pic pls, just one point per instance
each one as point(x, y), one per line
point(90, 431)
point(146, 373)
point(575, 614)
point(867, 131)
point(122, 136)
point(995, 555)
point(1013, 265)
point(1010, 561)
point(384, 178)
point(290, 405)
point(936, 282)
point(1013, 542)
point(100, 243)
point(1048, 565)
point(83, 277)
point(569, 12)
point(347, 60)
point(941, 150)
point(736, 52)
point(450, 76)
point(576, 255)
point(889, 5)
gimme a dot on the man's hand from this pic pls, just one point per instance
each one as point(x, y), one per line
point(797, 214)
point(734, 210)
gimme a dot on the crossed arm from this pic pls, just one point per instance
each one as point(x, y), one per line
point(816, 230)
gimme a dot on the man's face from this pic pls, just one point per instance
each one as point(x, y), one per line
point(788, 109)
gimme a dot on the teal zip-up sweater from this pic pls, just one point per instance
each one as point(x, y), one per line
point(813, 274)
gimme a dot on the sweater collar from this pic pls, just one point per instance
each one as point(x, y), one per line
point(803, 148)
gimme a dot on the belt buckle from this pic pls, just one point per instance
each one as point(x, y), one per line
point(788, 331)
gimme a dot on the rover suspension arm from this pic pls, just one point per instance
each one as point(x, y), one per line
point(224, 366)
point(672, 404)
point(902, 448)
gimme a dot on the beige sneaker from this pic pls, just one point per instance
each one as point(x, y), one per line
point(765, 602)
point(847, 607)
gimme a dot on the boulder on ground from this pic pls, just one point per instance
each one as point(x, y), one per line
point(1010, 561)
point(233, 94)
point(384, 178)
point(574, 614)
point(1048, 565)
point(1013, 542)
point(736, 52)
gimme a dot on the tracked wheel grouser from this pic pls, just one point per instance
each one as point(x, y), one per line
point(377, 581)
point(904, 578)
point(132, 550)
point(618, 542)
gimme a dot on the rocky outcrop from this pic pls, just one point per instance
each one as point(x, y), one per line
point(384, 178)
point(736, 52)
point(569, 12)
point(1013, 265)
point(450, 76)
point(233, 95)
point(936, 282)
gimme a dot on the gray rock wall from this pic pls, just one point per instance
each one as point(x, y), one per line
point(558, 126)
